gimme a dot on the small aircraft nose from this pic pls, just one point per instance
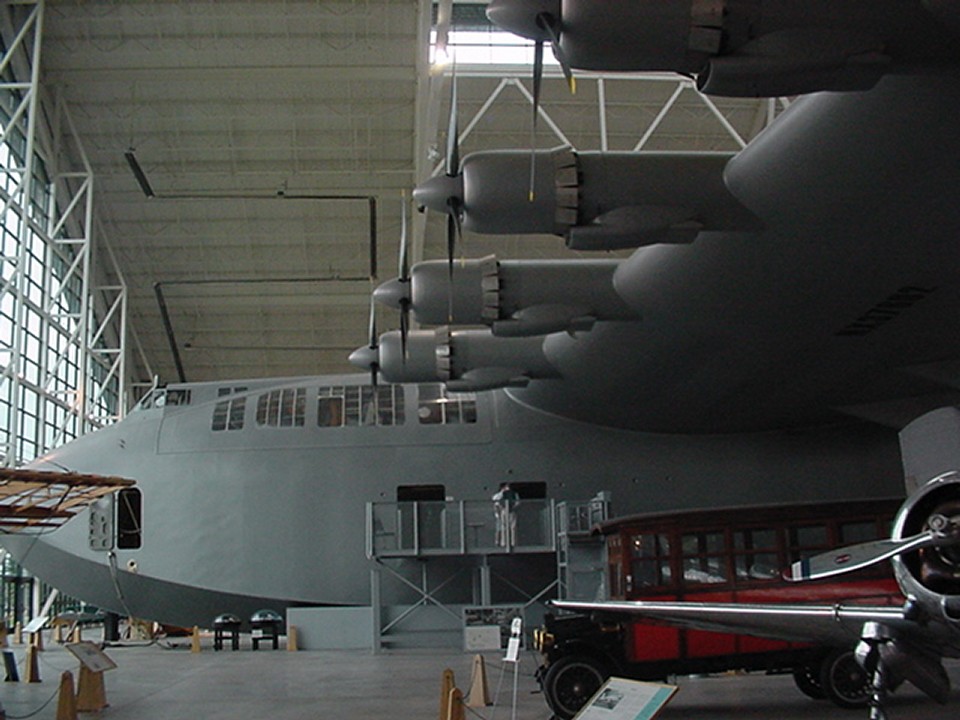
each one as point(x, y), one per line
point(365, 357)
point(436, 192)
point(393, 293)
point(520, 16)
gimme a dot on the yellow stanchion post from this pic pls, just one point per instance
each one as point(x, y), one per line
point(292, 640)
point(18, 633)
point(33, 664)
point(67, 700)
point(91, 693)
point(36, 639)
point(77, 634)
point(3, 635)
point(447, 684)
point(479, 693)
point(195, 640)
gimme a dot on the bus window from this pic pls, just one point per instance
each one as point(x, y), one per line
point(755, 554)
point(649, 561)
point(807, 540)
point(858, 532)
point(704, 558)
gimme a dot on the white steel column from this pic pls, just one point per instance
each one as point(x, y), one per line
point(63, 365)
point(21, 60)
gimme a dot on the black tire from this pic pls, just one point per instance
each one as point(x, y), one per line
point(807, 678)
point(571, 681)
point(844, 681)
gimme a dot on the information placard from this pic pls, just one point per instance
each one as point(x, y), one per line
point(622, 699)
point(91, 656)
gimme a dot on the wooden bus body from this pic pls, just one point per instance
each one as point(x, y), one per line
point(731, 556)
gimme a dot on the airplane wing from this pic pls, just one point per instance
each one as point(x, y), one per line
point(827, 624)
point(33, 498)
point(831, 292)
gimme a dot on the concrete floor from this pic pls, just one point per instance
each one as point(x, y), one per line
point(170, 683)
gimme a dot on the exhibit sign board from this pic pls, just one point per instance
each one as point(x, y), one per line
point(622, 699)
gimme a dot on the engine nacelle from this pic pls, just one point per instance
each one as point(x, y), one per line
point(597, 201)
point(794, 63)
point(931, 575)
point(466, 360)
point(514, 297)
point(745, 47)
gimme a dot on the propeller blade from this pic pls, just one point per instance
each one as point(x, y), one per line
point(552, 25)
point(537, 82)
point(452, 226)
point(404, 327)
point(374, 343)
point(856, 557)
point(453, 140)
point(404, 262)
point(444, 18)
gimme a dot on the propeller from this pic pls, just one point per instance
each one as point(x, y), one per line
point(549, 24)
point(368, 357)
point(452, 170)
point(404, 279)
point(941, 531)
point(397, 292)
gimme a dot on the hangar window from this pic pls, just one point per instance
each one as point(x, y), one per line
point(228, 414)
point(439, 407)
point(282, 408)
point(360, 405)
point(129, 516)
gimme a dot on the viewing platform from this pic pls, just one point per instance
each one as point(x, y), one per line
point(458, 527)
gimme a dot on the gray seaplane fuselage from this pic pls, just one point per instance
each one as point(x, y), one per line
point(254, 494)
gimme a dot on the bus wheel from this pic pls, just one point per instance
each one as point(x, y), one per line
point(571, 681)
point(807, 678)
point(844, 681)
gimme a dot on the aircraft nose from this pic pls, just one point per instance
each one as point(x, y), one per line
point(520, 17)
point(437, 192)
point(393, 293)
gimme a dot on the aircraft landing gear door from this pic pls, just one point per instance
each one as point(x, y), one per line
point(102, 530)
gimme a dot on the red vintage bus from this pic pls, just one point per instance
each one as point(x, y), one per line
point(728, 555)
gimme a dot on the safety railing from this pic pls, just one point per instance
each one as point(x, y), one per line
point(462, 527)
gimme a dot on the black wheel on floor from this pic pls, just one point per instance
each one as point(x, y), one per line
point(807, 678)
point(571, 681)
point(844, 681)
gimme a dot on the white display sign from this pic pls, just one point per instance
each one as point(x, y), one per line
point(622, 699)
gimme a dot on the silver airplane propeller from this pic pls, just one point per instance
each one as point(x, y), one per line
point(941, 531)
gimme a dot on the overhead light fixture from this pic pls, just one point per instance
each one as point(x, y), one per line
point(138, 173)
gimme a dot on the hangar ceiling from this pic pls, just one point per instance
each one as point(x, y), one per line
point(277, 138)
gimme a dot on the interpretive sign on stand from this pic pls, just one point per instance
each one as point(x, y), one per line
point(622, 699)
point(91, 656)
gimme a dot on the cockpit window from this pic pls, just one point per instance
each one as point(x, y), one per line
point(360, 405)
point(161, 397)
point(439, 407)
point(178, 397)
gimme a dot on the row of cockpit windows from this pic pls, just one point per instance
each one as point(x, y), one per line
point(345, 406)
